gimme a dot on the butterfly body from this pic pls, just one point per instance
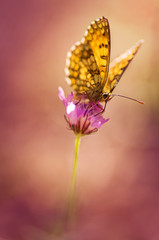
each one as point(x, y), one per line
point(88, 67)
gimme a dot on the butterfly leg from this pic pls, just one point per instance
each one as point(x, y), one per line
point(78, 102)
point(79, 98)
point(103, 109)
point(87, 109)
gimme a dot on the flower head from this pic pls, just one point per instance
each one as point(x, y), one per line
point(82, 117)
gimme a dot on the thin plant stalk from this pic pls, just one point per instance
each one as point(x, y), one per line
point(71, 196)
point(68, 216)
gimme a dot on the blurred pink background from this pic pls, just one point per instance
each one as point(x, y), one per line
point(118, 176)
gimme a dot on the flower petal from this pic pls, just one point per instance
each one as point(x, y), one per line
point(62, 96)
point(83, 117)
point(70, 108)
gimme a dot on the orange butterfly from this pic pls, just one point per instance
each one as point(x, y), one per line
point(88, 67)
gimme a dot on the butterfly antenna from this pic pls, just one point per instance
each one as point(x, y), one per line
point(118, 95)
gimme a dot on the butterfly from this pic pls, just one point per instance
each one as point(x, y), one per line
point(88, 68)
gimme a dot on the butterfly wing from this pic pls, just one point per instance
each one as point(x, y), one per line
point(97, 36)
point(118, 67)
point(81, 70)
point(87, 63)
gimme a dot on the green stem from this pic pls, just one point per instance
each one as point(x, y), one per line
point(70, 207)
point(71, 196)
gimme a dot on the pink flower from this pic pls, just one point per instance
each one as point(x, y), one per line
point(82, 117)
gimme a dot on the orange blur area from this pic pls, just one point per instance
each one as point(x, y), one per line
point(117, 183)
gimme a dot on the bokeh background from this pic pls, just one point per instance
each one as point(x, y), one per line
point(118, 177)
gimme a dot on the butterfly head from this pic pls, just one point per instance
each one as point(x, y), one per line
point(106, 97)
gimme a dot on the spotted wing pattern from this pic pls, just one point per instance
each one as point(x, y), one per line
point(87, 63)
point(118, 67)
point(97, 36)
point(82, 71)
